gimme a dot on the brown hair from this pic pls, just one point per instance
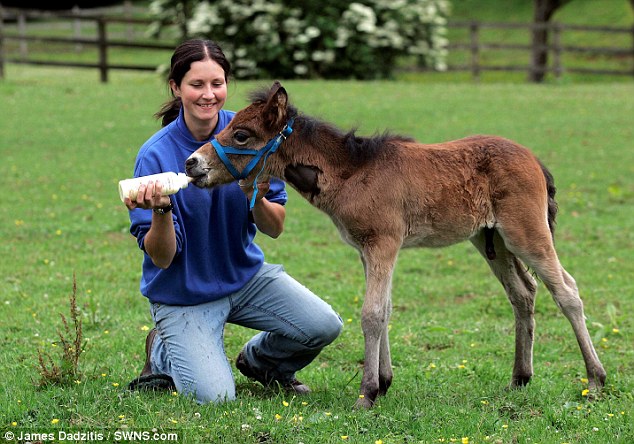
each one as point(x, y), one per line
point(184, 55)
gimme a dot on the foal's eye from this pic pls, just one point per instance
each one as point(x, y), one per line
point(241, 136)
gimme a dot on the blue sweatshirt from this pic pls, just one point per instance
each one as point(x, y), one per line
point(215, 252)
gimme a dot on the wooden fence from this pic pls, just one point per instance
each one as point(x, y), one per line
point(101, 40)
point(474, 45)
point(555, 49)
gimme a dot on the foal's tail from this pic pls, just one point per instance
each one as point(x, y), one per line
point(552, 204)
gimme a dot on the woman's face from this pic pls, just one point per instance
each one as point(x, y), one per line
point(203, 92)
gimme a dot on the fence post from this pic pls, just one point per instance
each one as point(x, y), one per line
point(1, 42)
point(24, 46)
point(77, 27)
point(557, 28)
point(128, 12)
point(103, 49)
point(475, 50)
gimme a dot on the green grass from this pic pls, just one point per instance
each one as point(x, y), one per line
point(66, 140)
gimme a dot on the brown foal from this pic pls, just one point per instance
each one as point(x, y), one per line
point(387, 192)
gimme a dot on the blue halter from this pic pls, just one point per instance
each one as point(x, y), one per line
point(263, 152)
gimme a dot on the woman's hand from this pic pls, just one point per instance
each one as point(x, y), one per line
point(149, 196)
point(247, 189)
point(268, 216)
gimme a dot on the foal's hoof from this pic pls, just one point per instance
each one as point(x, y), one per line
point(363, 403)
point(519, 382)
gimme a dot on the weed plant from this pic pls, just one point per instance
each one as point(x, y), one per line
point(70, 342)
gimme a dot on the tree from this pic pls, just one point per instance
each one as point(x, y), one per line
point(542, 13)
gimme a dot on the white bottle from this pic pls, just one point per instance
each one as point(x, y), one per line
point(172, 183)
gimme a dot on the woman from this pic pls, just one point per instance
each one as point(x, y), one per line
point(201, 267)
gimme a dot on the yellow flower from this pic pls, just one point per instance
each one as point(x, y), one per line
point(378, 441)
point(349, 320)
point(585, 392)
point(54, 421)
point(145, 328)
point(285, 403)
point(344, 437)
point(505, 426)
point(278, 416)
point(465, 440)
point(14, 423)
point(584, 380)
point(615, 331)
point(115, 384)
point(304, 403)
point(173, 421)
point(361, 396)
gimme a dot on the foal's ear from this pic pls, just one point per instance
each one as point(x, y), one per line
point(275, 108)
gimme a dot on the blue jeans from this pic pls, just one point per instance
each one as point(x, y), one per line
point(295, 326)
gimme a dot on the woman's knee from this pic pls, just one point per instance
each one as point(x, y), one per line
point(327, 330)
point(206, 395)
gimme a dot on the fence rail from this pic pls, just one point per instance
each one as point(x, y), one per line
point(473, 45)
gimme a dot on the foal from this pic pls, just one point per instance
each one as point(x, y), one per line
point(386, 193)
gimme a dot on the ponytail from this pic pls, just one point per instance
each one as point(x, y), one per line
point(169, 111)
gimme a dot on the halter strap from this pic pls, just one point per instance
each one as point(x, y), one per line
point(264, 152)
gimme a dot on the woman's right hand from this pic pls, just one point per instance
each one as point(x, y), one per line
point(149, 196)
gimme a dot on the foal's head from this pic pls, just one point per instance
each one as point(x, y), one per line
point(249, 131)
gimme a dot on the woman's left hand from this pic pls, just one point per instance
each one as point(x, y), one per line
point(247, 188)
point(268, 216)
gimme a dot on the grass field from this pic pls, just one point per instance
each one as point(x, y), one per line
point(65, 141)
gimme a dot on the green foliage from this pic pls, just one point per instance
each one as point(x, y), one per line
point(65, 142)
point(317, 39)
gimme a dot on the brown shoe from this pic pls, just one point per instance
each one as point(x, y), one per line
point(147, 368)
point(293, 386)
point(147, 381)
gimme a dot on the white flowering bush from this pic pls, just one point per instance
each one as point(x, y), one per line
point(317, 38)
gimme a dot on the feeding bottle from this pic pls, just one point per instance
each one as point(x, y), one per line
point(172, 183)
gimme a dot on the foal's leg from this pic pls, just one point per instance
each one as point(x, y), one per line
point(531, 241)
point(520, 289)
point(564, 290)
point(379, 259)
point(385, 357)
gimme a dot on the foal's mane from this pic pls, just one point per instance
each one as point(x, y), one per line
point(359, 149)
